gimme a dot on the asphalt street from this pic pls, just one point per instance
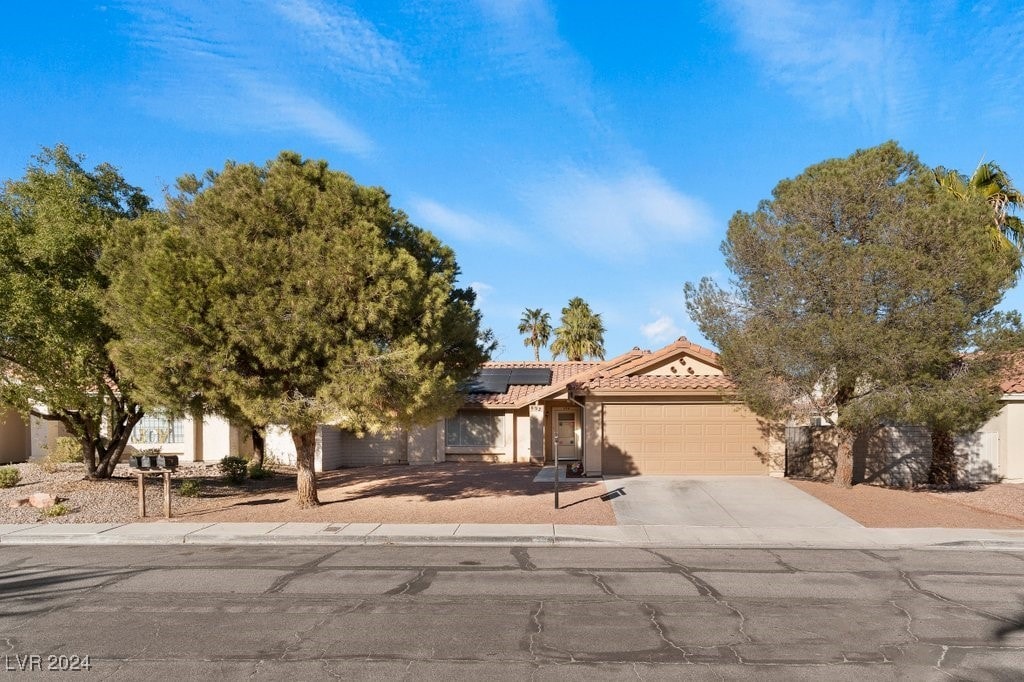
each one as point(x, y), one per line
point(515, 613)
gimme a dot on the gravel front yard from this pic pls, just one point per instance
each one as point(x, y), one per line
point(997, 505)
point(456, 493)
point(442, 493)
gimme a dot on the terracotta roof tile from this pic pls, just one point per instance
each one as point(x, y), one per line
point(655, 383)
point(585, 373)
point(561, 373)
point(647, 358)
point(1013, 377)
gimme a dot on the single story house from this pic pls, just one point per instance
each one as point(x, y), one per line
point(194, 440)
point(670, 411)
point(901, 455)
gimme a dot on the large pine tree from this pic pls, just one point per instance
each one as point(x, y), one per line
point(300, 298)
point(857, 286)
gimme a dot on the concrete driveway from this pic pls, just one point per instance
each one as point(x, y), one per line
point(719, 501)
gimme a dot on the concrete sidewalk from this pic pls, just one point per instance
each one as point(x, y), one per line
point(160, 533)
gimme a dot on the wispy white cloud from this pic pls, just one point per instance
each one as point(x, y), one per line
point(343, 40)
point(279, 108)
point(839, 57)
point(239, 66)
point(616, 215)
point(661, 330)
point(459, 225)
point(483, 291)
point(523, 40)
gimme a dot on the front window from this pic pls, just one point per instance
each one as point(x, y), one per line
point(477, 429)
point(157, 429)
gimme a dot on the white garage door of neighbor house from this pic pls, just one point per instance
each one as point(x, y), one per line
point(706, 439)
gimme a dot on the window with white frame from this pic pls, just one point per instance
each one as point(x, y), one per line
point(476, 429)
point(156, 429)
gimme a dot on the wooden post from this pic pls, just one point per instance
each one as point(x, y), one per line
point(167, 494)
point(142, 495)
point(556, 472)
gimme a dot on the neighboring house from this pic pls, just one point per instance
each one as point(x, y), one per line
point(665, 412)
point(193, 440)
point(15, 437)
point(996, 450)
point(901, 455)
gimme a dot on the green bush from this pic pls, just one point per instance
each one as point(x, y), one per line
point(9, 477)
point(59, 509)
point(190, 488)
point(234, 468)
point(67, 451)
point(258, 473)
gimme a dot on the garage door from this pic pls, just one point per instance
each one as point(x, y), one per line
point(714, 439)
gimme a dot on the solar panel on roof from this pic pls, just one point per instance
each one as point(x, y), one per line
point(530, 376)
point(490, 380)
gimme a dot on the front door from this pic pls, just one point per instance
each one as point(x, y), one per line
point(565, 434)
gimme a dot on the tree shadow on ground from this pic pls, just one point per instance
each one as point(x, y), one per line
point(447, 481)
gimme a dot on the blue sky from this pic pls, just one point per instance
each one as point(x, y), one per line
point(592, 149)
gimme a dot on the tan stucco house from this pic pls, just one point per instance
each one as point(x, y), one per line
point(670, 411)
point(209, 439)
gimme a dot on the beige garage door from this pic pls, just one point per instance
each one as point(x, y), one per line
point(713, 439)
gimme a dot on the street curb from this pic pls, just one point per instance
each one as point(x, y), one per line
point(98, 539)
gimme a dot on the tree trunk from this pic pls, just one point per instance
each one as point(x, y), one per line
point(88, 456)
point(258, 446)
point(943, 470)
point(844, 460)
point(305, 476)
point(109, 459)
point(106, 456)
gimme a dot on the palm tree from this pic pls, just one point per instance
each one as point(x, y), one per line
point(992, 184)
point(536, 325)
point(581, 334)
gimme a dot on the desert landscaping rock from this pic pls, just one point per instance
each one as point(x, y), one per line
point(42, 500)
point(990, 506)
point(451, 493)
point(444, 493)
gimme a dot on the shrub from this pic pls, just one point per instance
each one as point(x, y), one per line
point(234, 468)
point(66, 451)
point(59, 509)
point(9, 477)
point(258, 473)
point(190, 488)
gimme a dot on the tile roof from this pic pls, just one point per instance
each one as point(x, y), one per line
point(603, 375)
point(1013, 377)
point(674, 383)
point(561, 373)
point(647, 358)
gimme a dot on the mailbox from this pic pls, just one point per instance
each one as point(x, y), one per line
point(167, 461)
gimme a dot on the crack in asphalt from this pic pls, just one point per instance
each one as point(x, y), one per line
point(938, 597)
point(938, 663)
point(522, 557)
point(910, 620)
point(705, 589)
point(416, 585)
point(310, 566)
point(661, 631)
point(779, 560)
